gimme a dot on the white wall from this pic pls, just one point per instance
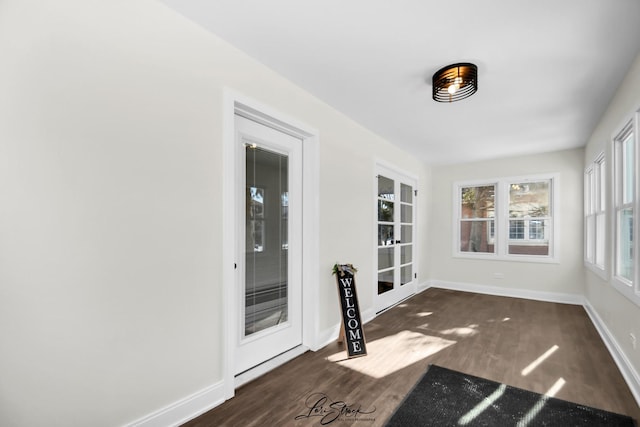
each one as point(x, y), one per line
point(564, 277)
point(110, 210)
point(620, 315)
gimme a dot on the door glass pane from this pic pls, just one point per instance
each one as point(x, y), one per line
point(406, 213)
point(385, 258)
point(385, 211)
point(405, 274)
point(406, 254)
point(385, 281)
point(266, 275)
point(406, 235)
point(406, 193)
point(385, 188)
point(385, 235)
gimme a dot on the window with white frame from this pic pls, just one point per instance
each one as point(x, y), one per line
point(595, 214)
point(506, 218)
point(624, 145)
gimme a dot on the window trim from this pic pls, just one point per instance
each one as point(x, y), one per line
point(502, 219)
point(596, 205)
point(629, 289)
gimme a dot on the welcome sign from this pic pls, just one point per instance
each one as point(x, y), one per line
point(351, 323)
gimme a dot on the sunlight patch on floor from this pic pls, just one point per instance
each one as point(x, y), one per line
point(480, 407)
point(468, 331)
point(533, 365)
point(424, 314)
point(531, 415)
point(376, 363)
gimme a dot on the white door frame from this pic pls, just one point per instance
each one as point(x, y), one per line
point(237, 103)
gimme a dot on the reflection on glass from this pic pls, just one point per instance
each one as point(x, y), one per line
point(385, 235)
point(385, 211)
point(385, 188)
point(529, 199)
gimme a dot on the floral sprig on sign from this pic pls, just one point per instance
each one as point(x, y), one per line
point(341, 269)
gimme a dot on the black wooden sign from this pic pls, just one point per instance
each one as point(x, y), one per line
point(351, 330)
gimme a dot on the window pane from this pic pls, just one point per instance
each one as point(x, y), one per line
point(516, 229)
point(385, 281)
point(406, 213)
point(385, 258)
point(537, 229)
point(589, 191)
point(624, 267)
point(590, 238)
point(385, 188)
point(627, 170)
point(385, 211)
point(600, 230)
point(406, 193)
point(602, 200)
point(475, 236)
point(529, 199)
point(385, 235)
point(478, 202)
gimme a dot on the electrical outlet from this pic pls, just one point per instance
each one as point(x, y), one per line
point(632, 337)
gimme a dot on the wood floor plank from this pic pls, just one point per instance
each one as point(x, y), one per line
point(488, 336)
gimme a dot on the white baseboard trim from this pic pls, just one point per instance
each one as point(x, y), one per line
point(184, 409)
point(630, 375)
point(269, 365)
point(562, 298)
point(200, 402)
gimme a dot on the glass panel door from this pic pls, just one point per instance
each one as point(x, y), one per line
point(395, 201)
point(269, 280)
point(266, 274)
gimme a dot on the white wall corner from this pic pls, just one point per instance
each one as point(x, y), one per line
point(184, 409)
point(630, 375)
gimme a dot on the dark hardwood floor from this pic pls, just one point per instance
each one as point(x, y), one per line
point(487, 336)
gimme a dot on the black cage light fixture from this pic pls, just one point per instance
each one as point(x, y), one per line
point(455, 82)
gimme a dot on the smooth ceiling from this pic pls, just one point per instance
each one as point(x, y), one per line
point(547, 68)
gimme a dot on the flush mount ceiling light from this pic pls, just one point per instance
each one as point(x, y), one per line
point(455, 82)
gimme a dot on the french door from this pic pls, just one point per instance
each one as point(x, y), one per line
point(395, 230)
point(269, 236)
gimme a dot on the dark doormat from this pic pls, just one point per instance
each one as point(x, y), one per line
point(444, 397)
